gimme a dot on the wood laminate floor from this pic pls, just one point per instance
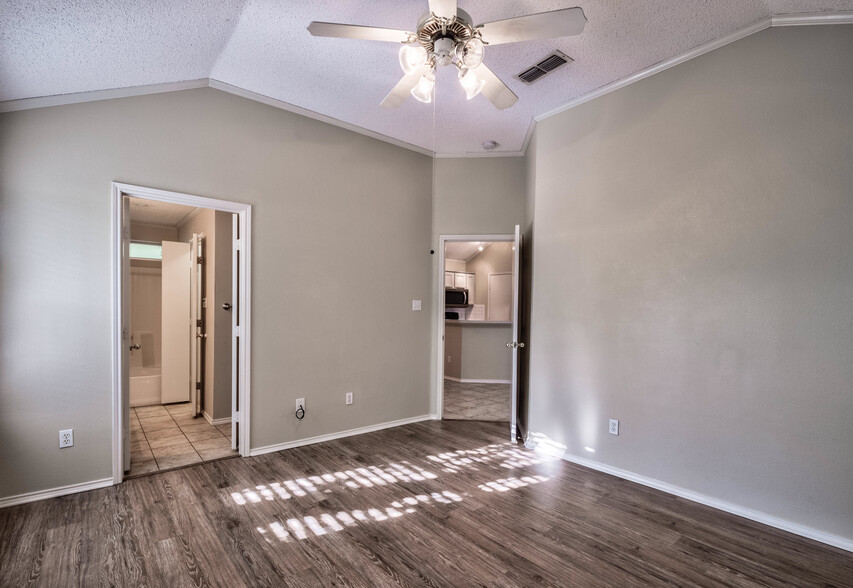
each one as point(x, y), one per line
point(431, 504)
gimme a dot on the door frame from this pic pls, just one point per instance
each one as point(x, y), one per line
point(438, 392)
point(244, 218)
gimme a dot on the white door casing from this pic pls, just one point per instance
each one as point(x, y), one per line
point(516, 345)
point(124, 403)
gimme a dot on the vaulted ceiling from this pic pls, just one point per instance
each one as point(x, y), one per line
point(52, 47)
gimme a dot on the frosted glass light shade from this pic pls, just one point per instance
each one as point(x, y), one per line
point(423, 91)
point(472, 53)
point(471, 83)
point(412, 57)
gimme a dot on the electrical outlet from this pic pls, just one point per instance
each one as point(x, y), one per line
point(449, 359)
point(66, 438)
point(349, 397)
point(300, 402)
point(614, 427)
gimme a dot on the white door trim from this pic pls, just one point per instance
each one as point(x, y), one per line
point(437, 393)
point(244, 218)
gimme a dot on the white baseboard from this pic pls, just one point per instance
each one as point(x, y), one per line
point(54, 492)
point(339, 435)
point(476, 381)
point(741, 511)
point(213, 421)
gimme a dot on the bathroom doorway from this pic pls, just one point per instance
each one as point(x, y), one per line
point(182, 356)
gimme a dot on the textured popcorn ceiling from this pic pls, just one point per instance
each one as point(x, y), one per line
point(50, 47)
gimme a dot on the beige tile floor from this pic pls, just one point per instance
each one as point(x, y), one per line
point(476, 402)
point(163, 437)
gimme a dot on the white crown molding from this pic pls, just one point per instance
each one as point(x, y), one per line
point(659, 67)
point(811, 18)
point(741, 511)
point(237, 91)
point(776, 20)
point(95, 95)
point(473, 155)
point(54, 492)
point(339, 435)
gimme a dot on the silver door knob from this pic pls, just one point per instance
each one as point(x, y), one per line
point(226, 306)
point(135, 346)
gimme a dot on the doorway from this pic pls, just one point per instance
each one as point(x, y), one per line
point(181, 322)
point(478, 330)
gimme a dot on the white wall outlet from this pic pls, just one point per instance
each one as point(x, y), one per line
point(349, 397)
point(416, 304)
point(449, 359)
point(614, 427)
point(66, 438)
point(300, 402)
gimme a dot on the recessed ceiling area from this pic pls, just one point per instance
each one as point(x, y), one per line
point(55, 47)
point(155, 212)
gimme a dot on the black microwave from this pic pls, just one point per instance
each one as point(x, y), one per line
point(455, 297)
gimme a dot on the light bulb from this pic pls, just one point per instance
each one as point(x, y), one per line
point(423, 91)
point(471, 83)
point(472, 53)
point(412, 57)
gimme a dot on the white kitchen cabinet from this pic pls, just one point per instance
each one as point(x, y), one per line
point(448, 279)
point(460, 280)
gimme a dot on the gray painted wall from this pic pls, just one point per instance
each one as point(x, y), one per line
point(694, 276)
point(319, 252)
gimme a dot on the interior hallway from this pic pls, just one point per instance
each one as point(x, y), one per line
point(163, 437)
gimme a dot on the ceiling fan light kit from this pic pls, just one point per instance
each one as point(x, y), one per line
point(446, 36)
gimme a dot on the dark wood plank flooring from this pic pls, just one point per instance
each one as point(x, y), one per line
point(432, 504)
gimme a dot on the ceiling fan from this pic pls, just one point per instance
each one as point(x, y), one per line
point(445, 35)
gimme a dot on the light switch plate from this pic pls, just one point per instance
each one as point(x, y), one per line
point(416, 304)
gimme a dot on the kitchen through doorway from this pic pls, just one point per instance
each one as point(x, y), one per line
point(477, 324)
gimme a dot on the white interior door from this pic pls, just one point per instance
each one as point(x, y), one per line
point(197, 339)
point(125, 333)
point(235, 339)
point(177, 324)
point(516, 345)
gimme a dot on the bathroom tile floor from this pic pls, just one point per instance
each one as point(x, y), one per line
point(163, 437)
point(476, 402)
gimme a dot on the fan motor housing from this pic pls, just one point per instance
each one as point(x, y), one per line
point(431, 28)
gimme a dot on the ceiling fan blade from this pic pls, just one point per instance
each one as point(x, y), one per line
point(545, 25)
point(400, 92)
point(445, 8)
point(495, 90)
point(346, 31)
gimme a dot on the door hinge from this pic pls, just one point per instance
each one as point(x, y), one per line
point(198, 385)
point(238, 332)
point(238, 244)
point(236, 417)
point(199, 260)
point(125, 233)
point(124, 334)
point(198, 323)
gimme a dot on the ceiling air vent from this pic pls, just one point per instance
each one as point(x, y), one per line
point(544, 67)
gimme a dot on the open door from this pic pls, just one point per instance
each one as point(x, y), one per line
point(235, 331)
point(197, 339)
point(125, 332)
point(517, 346)
point(177, 326)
